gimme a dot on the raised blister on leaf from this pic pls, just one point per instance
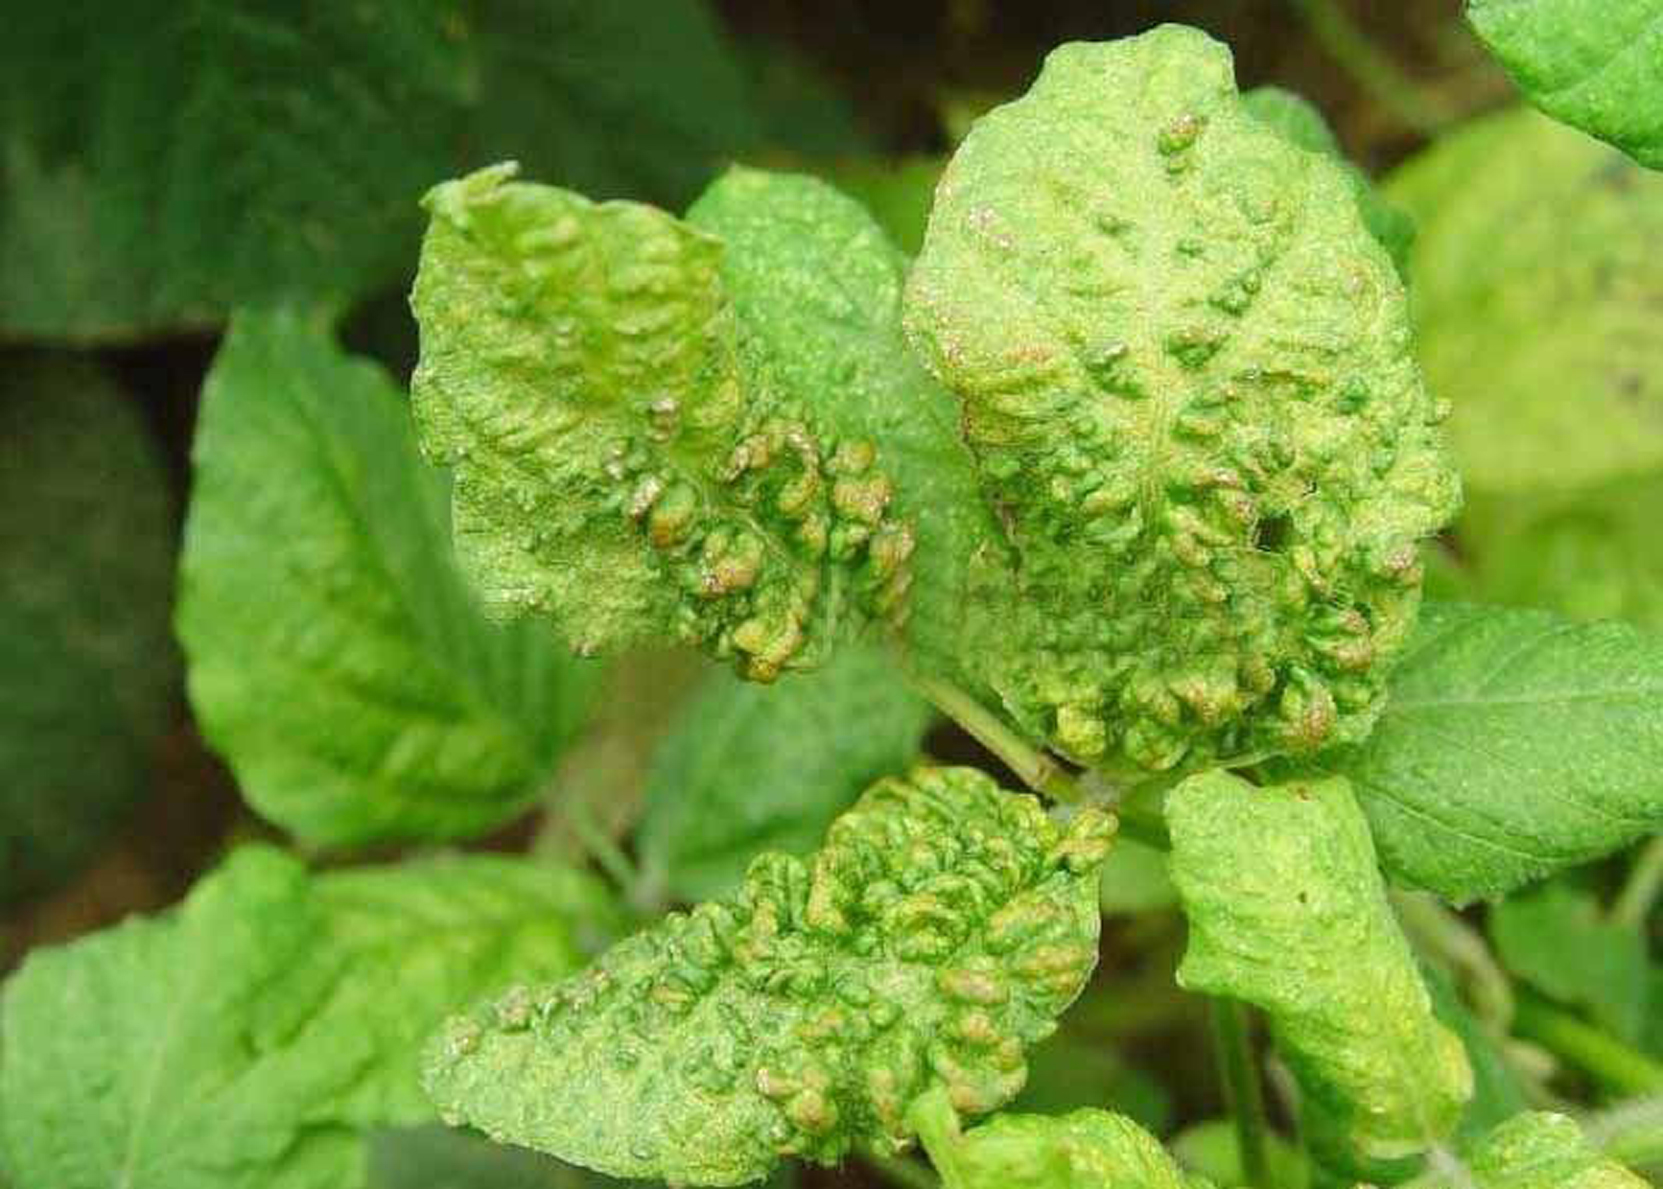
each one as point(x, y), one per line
point(1186, 372)
point(1287, 910)
point(938, 933)
point(619, 463)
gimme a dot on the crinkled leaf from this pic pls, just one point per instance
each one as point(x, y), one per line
point(621, 462)
point(166, 162)
point(1596, 64)
point(1186, 373)
point(1514, 743)
point(244, 1040)
point(816, 287)
point(1535, 300)
point(337, 659)
point(1539, 1151)
point(1287, 910)
point(748, 768)
point(1557, 939)
point(939, 931)
point(87, 669)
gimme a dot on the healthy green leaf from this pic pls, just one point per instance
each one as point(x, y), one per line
point(1557, 939)
point(1596, 64)
point(747, 768)
point(169, 161)
point(897, 193)
point(939, 931)
point(244, 1041)
point(816, 289)
point(1186, 374)
point(87, 670)
point(1514, 743)
point(336, 658)
point(1535, 296)
point(623, 459)
point(1212, 1149)
point(1538, 1151)
point(1287, 911)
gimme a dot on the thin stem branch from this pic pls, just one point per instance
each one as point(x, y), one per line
point(1374, 70)
point(1602, 1056)
point(1243, 1092)
point(1032, 766)
point(1645, 881)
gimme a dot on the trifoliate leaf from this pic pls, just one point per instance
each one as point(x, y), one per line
point(1514, 743)
point(1287, 911)
point(621, 463)
point(167, 162)
point(1186, 373)
point(336, 657)
point(244, 1040)
point(939, 931)
point(748, 768)
point(1538, 1151)
point(1596, 64)
point(816, 288)
point(87, 669)
point(1535, 300)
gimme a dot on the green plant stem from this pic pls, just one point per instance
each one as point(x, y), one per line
point(1645, 881)
point(1603, 1057)
point(901, 1172)
point(1033, 767)
point(1446, 938)
point(1243, 1093)
point(1381, 77)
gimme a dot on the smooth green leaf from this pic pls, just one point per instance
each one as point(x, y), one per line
point(897, 193)
point(1535, 291)
point(1557, 939)
point(169, 161)
point(87, 669)
point(336, 657)
point(748, 768)
point(1186, 373)
point(1596, 64)
point(245, 1040)
point(938, 932)
point(623, 460)
point(1514, 743)
point(1287, 911)
point(1537, 1151)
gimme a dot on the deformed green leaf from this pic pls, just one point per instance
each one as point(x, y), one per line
point(1288, 911)
point(1596, 64)
point(621, 462)
point(336, 657)
point(1538, 1151)
point(940, 930)
point(748, 768)
point(1187, 376)
point(87, 670)
point(1514, 743)
point(246, 1040)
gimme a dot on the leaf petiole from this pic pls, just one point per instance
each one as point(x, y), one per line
point(1243, 1094)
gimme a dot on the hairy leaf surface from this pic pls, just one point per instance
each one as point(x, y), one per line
point(337, 659)
point(1287, 910)
point(748, 768)
point(1186, 373)
point(1596, 64)
point(244, 1040)
point(939, 931)
point(1515, 743)
point(87, 671)
point(625, 461)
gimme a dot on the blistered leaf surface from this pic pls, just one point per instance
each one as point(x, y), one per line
point(1287, 911)
point(621, 464)
point(940, 930)
point(1595, 64)
point(1186, 373)
point(243, 1041)
point(1514, 743)
point(337, 658)
point(1087, 1149)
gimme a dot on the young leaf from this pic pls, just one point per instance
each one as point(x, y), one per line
point(1514, 743)
point(1287, 911)
point(939, 931)
point(1537, 1151)
point(1186, 374)
point(243, 1041)
point(621, 462)
point(1596, 64)
point(747, 769)
point(87, 671)
point(336, 658)
point(1556, 938)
